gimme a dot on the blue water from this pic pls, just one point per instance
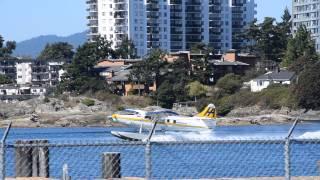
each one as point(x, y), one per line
point(189, 160)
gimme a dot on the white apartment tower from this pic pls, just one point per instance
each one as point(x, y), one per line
point(306, 12)
point(171, 25)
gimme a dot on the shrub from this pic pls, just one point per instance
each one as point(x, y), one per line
point(224, 106)
point(46, 100)
point(120, 108)
point(88, 102)
point(275, 96)
point(230, 83)
point(202, 103)
point(64, 97)
point(136, 101)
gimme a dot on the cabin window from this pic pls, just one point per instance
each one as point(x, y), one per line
point(174, 121)
point(148, 117)
point(168, 121)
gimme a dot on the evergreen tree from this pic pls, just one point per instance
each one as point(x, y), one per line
point(81, 75)
point(301, 51)
point(268, 39)
point(308, 88)
point(59, 50)
point(7, 48)
point(4, 79)
point(126, 49)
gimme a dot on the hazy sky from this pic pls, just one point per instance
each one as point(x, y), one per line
point(24, 19)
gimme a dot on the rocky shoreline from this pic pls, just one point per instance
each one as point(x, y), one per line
point(52, 112)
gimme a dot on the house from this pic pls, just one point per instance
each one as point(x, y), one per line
point(117, 75)
point(223, 67)
point(275, 77)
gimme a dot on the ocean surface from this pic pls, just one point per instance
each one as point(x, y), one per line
point(82, 149)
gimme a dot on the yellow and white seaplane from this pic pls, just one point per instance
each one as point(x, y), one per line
point(168, 122)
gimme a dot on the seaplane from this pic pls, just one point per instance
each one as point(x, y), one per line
point(164, 124)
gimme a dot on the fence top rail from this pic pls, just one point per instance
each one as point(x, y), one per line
point(36, 143)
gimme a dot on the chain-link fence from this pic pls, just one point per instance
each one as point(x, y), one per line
point(216, 159)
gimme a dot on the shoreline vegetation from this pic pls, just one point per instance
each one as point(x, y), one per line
point(82, 111)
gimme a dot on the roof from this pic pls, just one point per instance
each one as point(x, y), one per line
point(117, 68)
point(282, 75)
point(228, 63)
point(121, 76)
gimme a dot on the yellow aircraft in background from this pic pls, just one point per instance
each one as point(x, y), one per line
point(165, 121)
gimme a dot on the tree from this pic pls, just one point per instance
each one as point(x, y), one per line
point(104, 48)
point(177, 74)
point(230, 83)
point(308, 88)
point(126, 49)
point(201, 67)
point(268, 38)
point(148, 70)
point(301, 51)
point(4, 79)
point(165, 94)
point(250, 34)
point(284, 30)
point(6, 51)
point(59, 50)
point(81, 75)
point(196, 89)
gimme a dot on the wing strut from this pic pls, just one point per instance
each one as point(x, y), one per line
point(152, 130)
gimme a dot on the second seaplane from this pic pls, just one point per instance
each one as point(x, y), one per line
point(168, 123)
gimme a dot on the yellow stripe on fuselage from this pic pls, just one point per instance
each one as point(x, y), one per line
point(163, 123)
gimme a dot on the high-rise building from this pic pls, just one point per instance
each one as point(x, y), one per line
point(306, 12)
point(171, 25)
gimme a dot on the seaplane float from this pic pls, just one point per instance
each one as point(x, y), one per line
point(165, 125)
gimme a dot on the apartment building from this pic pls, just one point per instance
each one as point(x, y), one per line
point(306, 12)
point(171, 25)
point(8, 68)
point(35, 72)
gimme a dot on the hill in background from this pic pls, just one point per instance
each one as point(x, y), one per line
point(33, 47)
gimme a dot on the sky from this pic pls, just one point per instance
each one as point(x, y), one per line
point(24, 19)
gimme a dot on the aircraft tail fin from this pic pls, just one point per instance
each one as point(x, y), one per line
point(209, 112)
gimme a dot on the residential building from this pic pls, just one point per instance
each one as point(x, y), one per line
point(35, 72)
point(20, 90)
point(8, 68)
point(275, 77)
point(117, 75)
point(171, 25)
point(23, 69)
point(306, 12)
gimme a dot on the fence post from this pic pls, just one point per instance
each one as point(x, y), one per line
point(23, 156)
point(32, 158)
point(148, 161)
point(287, 159)
point(287, 162)
point(65, 172)
point(43, 155)
point(148, 157)
point(111, 165)
point(3, 153)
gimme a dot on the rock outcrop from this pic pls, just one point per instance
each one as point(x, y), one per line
point(52, 112)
